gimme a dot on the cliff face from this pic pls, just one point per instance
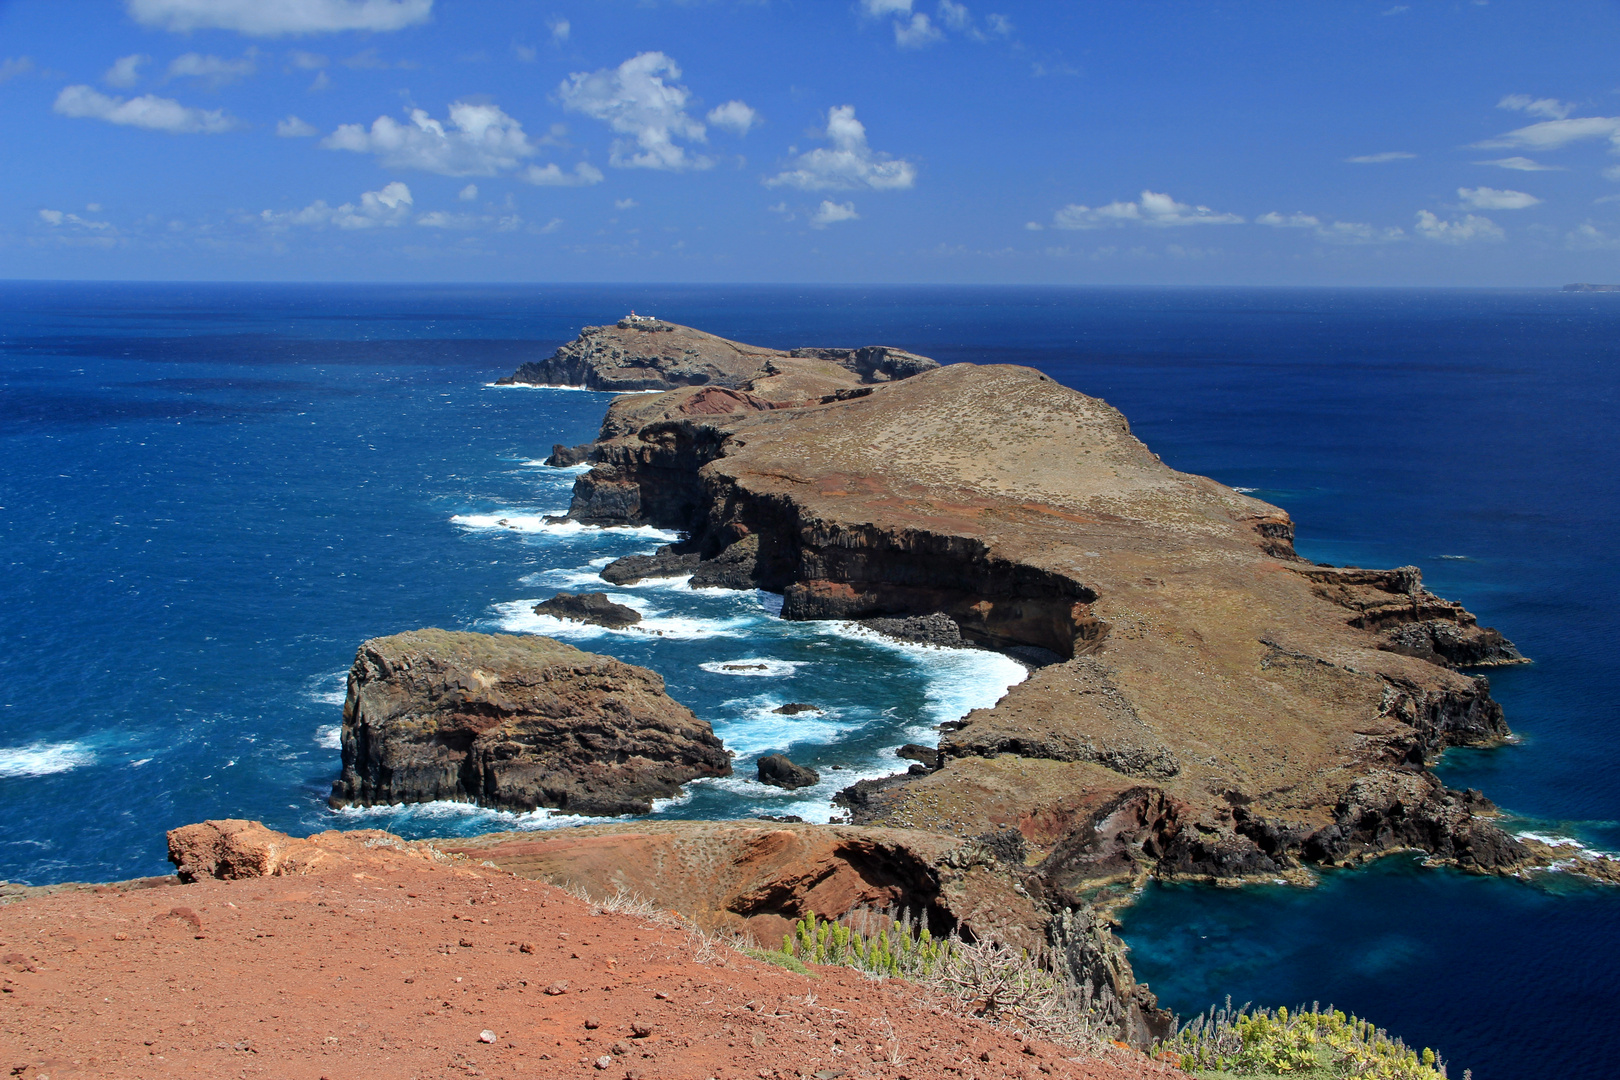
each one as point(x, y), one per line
point(515, 723)
point(1217, 699)
point(651, 354)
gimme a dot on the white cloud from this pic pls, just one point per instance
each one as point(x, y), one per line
point(634, 100)
point(1471, 227)
point(1287, 221)
point(918, 33)
point(625, 204)
point(389, 205)
point(1612, 172)
point(480, 140)
point(1551, 108)
point(1521, 164)
point(735, 115)
point(879, 8)
point(1589, 237)
point(294, 128)
point(526, 53)
point(1486, 198)
point(848, 163)
point(13, 66)
point(955, 15)
point(147, 111)
point(125, 71)
point(1380, 159)
point(309, 61)
point(551, 176)
point(559, 30)
point(468, 193)
point(830, 212)
point(999, 25)
point(1552, 134)
point(215, 70)
point(1152, 208)
point(550, 227)
point(439, 219)
point(57, 219)
point(273, 18)
point(319, 83)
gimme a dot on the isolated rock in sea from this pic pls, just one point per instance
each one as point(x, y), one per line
point(514, 722)
point(651, 354)
point(778, 771)
point(564, 456)
point(667, 562)
point(593, 608)
point(1203, 699)
point(794, 708)
point(935, 629)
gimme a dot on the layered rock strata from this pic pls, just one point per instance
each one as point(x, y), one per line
point(1206, 703)
point(515, 723)
point(651, 354)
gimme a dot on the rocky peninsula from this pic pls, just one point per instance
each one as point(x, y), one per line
point(1206, 704)
point(516, 723)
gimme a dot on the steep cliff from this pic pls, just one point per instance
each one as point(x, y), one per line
point(1219, 704)
point(515, 723)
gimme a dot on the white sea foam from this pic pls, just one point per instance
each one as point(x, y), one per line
point(330, 689)
point(330, 738)
point(553, 386)
point(1244, 490)
point(1578, 851)
point(481, 818)
point(758, 666)
point(525, 522)
point(958, 680)
point(43, 759)
point(518, 617)
point(559, 470)
point(750, 726)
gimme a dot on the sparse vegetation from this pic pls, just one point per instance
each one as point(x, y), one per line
point(1313, 1044)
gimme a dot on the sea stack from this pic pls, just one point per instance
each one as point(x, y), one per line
point(514, 723)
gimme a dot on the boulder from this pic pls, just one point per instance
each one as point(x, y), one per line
point(514, 722)
point(778, 771)
point(666, 562)
point(593, 608)
point(935, 629)
point(794, 708)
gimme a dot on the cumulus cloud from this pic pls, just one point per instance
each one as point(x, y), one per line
point(58, 219)
point(468, 193)
point(1153, 208)
point(1521, 164)
point(1287, 221)
point(639, 99)
point(1470, 228)
point(125, 71)
point(147, 111)
point(275, 18)
point(1487, 198)
point(479, 140)
point(216, 71)
point(1551, 108)
point(1380, 159)
point(1334, 232)
point(1552, 134)
point(848, 163)
point(918, 32)
point(733, 115)
point(390, 205)
point(294, 128)
point(551, 176)
point(830, 212)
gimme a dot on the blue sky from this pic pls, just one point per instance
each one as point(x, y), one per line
point(1453, 142)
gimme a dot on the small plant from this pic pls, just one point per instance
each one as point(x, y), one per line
point(1307, 1043)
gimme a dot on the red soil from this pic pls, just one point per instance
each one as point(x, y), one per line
point(381, 965)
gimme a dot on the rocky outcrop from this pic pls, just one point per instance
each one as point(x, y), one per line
point(651, 354)
point(668, 561)
point(778, 771)
point(936, 629)
point(594, 608)
point(794, 708)
point(515, 723)
point(563, 457)
point(1203, 700)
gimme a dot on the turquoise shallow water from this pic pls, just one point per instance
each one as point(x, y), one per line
point(211, 494)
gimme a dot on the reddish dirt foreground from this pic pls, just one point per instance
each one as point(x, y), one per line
point(378, 964)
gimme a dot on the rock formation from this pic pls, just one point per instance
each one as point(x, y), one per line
point(650, 354)
point(778, 771)
point(515, 723)
point(1206, 703)
point(594, 608)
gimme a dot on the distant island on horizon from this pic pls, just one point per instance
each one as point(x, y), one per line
point(1587, 287)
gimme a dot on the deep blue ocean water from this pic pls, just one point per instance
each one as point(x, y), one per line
point(211, 494)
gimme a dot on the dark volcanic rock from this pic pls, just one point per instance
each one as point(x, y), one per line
point(928, 755)
point(778, 771)
point(935, 629)
point(591, 607)
point(667, 562)
point(874, 363)
point(515, 723)
point(736, 567)
point(794, 708)
point(564, 456)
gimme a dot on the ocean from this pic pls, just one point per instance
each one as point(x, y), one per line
point(213, 493)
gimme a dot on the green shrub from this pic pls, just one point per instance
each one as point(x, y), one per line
point(780, 959)
point(1307, 1043)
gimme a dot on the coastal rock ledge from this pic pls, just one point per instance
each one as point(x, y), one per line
point(514, 723)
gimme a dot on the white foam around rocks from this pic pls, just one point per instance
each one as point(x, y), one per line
point(43, 759)
point(755, 666)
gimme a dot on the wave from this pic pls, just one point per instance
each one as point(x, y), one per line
point(525, 522)
point(557, 386)
point(559, 470)
point(518, 617)
point(329, 689)
point(470, 819)
point(330, 737)
point(1578, 852)
point(755, 666)
point(43, 759)
point(957, 680)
